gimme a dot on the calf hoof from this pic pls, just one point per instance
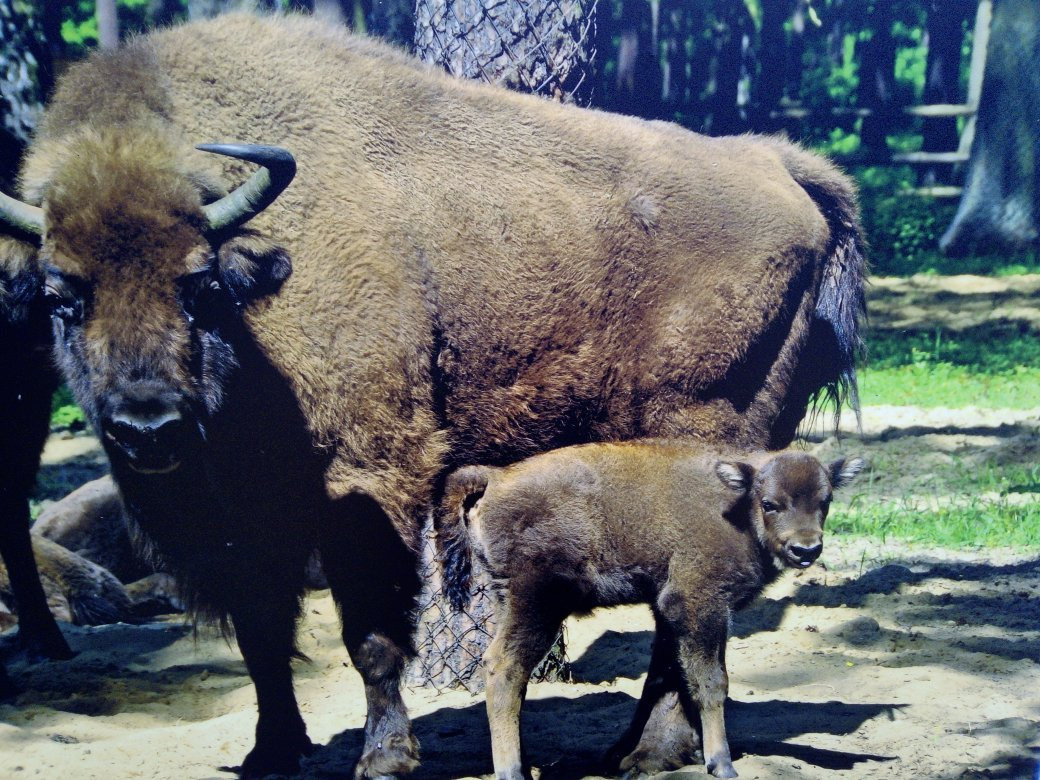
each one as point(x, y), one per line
point(394, 755)
point(280, 757)
point(721, 767)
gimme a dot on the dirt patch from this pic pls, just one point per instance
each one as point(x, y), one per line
point(881, 663)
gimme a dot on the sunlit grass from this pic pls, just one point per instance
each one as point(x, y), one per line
point(995, 366)
point(980, 523)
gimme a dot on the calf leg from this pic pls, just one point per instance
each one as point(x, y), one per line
point(265, 626)
point(523, 635)
point(37, 630)
point(702, 649)
point(661, 736)
point(374, 580)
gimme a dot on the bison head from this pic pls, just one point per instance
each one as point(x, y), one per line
point(790, 497)
point(145, 281)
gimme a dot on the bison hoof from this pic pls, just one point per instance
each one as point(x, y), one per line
point(394, 755)
point(721, 767)
point(47, 646)
point(281, 758)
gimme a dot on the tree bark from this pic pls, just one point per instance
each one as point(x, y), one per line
point(945, 30)
point(23, 67)
point(541, 46)
point(999, 208)
point(876, 78)
point(108, 24)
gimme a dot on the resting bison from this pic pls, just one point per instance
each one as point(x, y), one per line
point(696, 533)
point(27, 381)
point(457, 273)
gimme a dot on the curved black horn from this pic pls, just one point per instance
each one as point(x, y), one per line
point(22, 217)
point(258, 191)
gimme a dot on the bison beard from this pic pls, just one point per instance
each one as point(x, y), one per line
point(572, 276)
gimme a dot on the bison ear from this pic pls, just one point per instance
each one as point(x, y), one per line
point(252, 266)
point(843, 471)
point(735, 475)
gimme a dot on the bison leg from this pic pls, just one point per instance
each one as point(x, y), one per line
point(525, 632)
point(702, 649)
point(265, 628)
point(661, 736)
point(374, 580)
point(37, 630)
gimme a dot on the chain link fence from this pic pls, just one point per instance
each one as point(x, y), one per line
point(450, 644)
point(546, 47)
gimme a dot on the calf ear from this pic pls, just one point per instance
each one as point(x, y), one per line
point(843, 471)
point(252, 266)
point(735, 475)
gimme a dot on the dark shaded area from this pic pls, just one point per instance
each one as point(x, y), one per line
point(575, 751)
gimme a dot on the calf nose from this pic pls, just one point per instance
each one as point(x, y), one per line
point(806, 554)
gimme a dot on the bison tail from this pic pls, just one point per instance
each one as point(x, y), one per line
point(462, 490)
point(840, 300)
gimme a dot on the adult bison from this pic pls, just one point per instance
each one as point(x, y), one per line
point(457, 274)
point(27, 380)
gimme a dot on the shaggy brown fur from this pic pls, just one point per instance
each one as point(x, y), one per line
point(27, 381)
point(694, 532)
point(474, 274)
point(78, 591)
point(90, 521)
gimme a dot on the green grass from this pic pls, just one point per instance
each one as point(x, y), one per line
point(977, 524)
point(995, 366)
point(943, 384)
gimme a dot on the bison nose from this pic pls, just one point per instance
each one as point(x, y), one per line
point(805, 555)
point(150, 439)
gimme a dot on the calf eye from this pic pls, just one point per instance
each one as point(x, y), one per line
point(769, 506)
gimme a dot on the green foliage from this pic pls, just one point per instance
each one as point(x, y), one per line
point(65, 414)
point(79, 28)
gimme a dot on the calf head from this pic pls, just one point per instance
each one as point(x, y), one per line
point(145, 280)
point(789, 499)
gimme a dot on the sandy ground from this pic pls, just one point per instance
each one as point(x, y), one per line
point(882, 661)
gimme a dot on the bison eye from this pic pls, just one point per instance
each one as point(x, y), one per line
point(204, 300)
point(769, 507)
point(63, 306)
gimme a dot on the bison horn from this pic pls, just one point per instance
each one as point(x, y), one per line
point(257, 192)
point(22, 217)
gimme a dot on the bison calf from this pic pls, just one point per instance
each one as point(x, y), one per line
point(694, 532)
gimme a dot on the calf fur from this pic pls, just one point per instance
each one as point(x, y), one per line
point(694, 532)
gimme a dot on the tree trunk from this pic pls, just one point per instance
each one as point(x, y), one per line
point(945, 30)
point(393, 20)
point(999, 208)
point(731, 29)
point(767, 85)
point(876, 76)
point(543, 46)
point(108, 24)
